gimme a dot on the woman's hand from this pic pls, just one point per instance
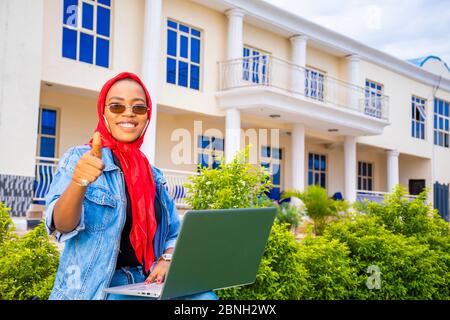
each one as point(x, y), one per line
point(90, 166)
point(159, 272)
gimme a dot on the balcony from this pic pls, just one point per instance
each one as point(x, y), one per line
point(376, 196)
point(300, 94)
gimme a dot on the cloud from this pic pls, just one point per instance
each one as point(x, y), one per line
point(403, 28)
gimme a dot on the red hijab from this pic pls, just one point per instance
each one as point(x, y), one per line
point(138, 176)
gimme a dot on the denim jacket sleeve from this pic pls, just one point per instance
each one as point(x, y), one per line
point(173, 220)
point(61, 180)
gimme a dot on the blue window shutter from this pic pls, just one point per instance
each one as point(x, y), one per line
point(48, 122)
point(171, 43)
point(171, 71)
point(70, 12)
point(184, 47)
point(86, 47)
point(172, 24)
point(182, 73)
point(195, 77)
point(69, 49)
point(102, 53)
point(195, 50)
point(105, 2)
point(195, 32)
point(184, 28)
point(47, 147)
point(88, 16)
point(103, 21)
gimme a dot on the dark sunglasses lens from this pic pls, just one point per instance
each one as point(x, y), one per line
point(117, 108)
point(140, 109)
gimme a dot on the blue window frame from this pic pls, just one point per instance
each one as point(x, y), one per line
point(47, 133)
point(373, 99)
point(441, 123)
point(183, 55)
point(271, 160)
point(314, 84)
point(210, 150)
point(255, 66)
point(365, 176)
point(418, 117)
point(317, 170)
point(86, 32)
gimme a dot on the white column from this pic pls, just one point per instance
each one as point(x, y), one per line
point(151, 61)
point(232, 133)
point(235, 33)
point(353, 74)
point(392, 169)
point(234, 51)
point(350, 168)
point(298, 156)
point(298, 57)
point(234, 69)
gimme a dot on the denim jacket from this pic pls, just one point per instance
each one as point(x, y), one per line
point(89, 259)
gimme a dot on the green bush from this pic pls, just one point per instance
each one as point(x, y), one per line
point(238, 184)
point(408, 268)
point(280, 275)
point(319, 207)
point(6, 224)
point(288, 214)
point(331, 275)
point(28, 264)
point(419, 220)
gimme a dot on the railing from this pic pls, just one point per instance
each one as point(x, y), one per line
point(313, 85)
point(376, 196)
point(44, 172)
point(46, 167)
point(175, 184)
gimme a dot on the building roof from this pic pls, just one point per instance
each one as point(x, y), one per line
point(422, 60)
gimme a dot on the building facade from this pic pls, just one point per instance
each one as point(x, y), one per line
point(316, 106)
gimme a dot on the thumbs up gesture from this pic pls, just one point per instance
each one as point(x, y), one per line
point(90, 165)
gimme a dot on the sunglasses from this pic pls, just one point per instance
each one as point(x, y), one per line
point(120, 108)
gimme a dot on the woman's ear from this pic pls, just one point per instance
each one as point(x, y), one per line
point(107, 124)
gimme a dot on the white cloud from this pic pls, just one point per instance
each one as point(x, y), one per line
point(403, 28)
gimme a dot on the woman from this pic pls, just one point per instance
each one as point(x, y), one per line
point(109, 205)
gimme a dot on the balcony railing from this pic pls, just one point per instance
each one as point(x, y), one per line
point(376, 196)
point(175, 184)
point(44, 172)
point(312, 85)
point(46, 167)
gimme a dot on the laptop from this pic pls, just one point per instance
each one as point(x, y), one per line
point(215, 249)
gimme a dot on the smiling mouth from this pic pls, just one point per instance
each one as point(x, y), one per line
point(127, 124)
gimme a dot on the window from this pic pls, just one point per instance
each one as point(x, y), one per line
point(209, 150)
point(418, 118)
point(86, 31)
point(271, 160)
point(47, 133)
point(441, 123)
point(317, 170)
point(255, 65)
point(183, 55)
point(365, 176)
point(373, 99)
point(314, 84)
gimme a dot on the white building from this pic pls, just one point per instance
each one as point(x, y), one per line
point(347, 116)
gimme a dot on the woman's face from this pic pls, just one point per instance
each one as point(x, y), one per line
point(126, 126)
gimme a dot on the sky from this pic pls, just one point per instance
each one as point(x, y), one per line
point(406, 29)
